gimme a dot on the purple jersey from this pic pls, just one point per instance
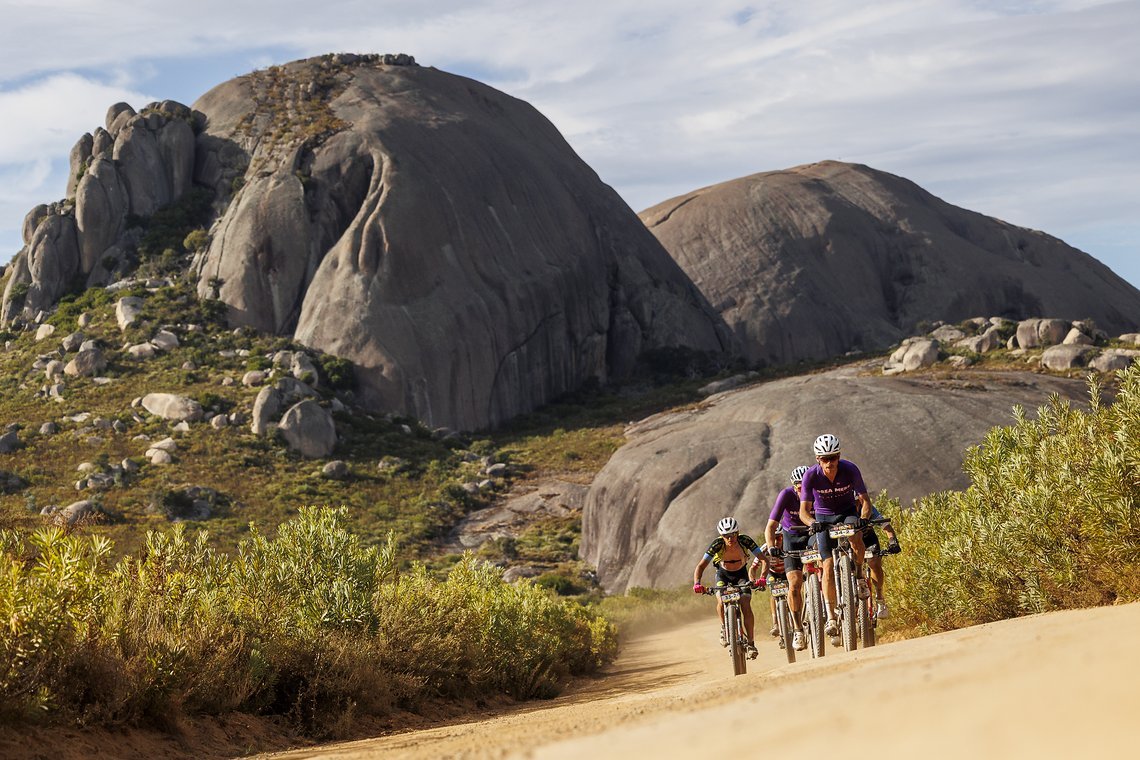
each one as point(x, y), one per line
point(786, 510)
point(836, 498)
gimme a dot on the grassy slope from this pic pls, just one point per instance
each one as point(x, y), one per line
point(259, 479)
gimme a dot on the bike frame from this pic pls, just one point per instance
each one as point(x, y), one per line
point(734, 634)
point(813, 612)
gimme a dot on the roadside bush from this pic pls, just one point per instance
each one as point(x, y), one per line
point(310, 624)
point(1050, 521)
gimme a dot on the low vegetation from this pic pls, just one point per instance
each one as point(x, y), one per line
point(311, 624)
point(1051, 520)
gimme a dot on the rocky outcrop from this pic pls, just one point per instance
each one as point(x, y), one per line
point(140, 163)
point(438, 233)
point(171, 406)
point(822, 259)
point(309, 429)
point(914, 353)
point(653, 508)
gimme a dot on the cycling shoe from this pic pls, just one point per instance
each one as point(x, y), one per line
point(881, 610)
point(862, 590)
point(750, 648)
point(799, 643)
point(831, 628)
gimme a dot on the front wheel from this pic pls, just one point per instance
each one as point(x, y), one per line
point(735, 639)
point(784, 619)
point(847, 601)
point(813, 614)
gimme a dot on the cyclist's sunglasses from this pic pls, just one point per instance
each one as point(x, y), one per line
point(829, 458)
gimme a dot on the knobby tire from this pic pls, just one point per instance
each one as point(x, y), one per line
point(866, 627)
point(736, 638)
point(848, 601)
point(784, 619)
point(813, 614)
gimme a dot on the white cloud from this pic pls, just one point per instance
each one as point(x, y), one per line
point(1021, 109)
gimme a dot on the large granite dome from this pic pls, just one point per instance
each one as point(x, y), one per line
point(822, 259)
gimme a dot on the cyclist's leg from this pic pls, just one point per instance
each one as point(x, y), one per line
point(749, 618)
point(875, 563)
point(796, 597)
point(793, 568)
point(825, 544)
point(878, 580)
point(722, 578)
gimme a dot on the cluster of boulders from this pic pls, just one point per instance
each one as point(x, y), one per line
point(1066, 344)
point(135, 165)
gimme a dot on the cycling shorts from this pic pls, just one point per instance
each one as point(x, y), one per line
point(777, 576)
point(870, 539)
point(732, 578)
point(823, 541)
point(794, 541)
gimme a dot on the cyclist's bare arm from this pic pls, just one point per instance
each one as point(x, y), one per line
point(770, 532)
point(864, 506)
point(700, 570)
point(805, 514)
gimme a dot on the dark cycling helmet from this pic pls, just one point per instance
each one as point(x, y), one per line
point(826, 444)
point(726, 526)
point(798, 474)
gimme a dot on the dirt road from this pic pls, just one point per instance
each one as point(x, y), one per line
point(1058, 685)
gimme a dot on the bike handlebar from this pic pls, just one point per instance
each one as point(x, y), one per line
point(710, 590)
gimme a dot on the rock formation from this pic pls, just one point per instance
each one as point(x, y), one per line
point(438, 233)
point(140, 163)
point(653, 508)
point(822, 259)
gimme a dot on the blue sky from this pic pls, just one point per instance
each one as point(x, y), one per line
point(1027, 111)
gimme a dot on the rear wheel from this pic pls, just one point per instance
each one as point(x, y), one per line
point(735, 639)
point(813, 614)
point(865, 623)
point(847, 601)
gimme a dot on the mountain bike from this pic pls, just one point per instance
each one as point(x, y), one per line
point(778, 587)
point(853, 612)
point(733, 632)
point(813, 612)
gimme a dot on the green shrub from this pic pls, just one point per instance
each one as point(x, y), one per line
point(1050, 521)
point(338, 372)
point(310, 624)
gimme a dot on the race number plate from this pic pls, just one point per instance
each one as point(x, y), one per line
point(730, 596)
point(779, 588)
point(810, 556)
point(841, 531)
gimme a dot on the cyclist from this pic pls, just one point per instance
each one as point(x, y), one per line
point(727, 553)
point(785, 517)
point(875, 563)
point(834, 490)
point(768, 569)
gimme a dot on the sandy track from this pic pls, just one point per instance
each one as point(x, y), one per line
point(1059, 685)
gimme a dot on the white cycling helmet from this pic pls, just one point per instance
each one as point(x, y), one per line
point(726, 526)
point(798, 474)
point(826, 444)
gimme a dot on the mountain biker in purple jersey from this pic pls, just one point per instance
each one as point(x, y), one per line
point(785, 517)
point(727, 553)
point(834, 490)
